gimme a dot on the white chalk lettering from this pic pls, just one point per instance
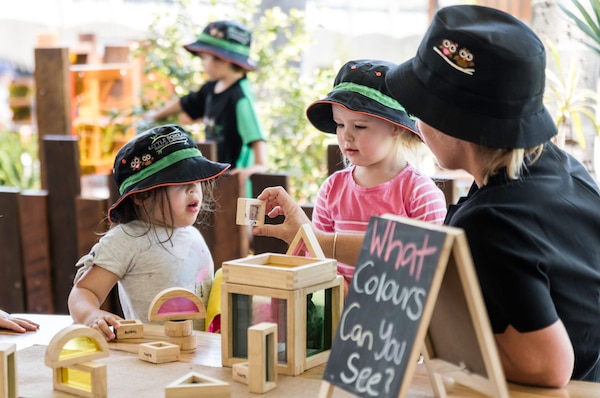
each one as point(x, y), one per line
point(355, 332)
point(391, 349)
point(382, 289)
point(365, 380)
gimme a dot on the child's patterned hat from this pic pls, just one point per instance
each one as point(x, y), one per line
point(162, 156)
point(360, 87)
point(479, 76)
point(227, 40)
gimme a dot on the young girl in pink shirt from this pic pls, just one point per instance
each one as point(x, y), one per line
point(374, 134)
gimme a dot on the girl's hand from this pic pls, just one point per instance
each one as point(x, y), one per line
point(20, 325)
point(102, 322)
point(279, 202)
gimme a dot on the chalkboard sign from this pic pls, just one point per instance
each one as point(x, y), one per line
point(414, 291)
point(387, 310)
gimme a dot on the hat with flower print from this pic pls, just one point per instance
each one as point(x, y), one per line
point(360, 87)
point(228, 40)
point(478, 75)
point(162, 156)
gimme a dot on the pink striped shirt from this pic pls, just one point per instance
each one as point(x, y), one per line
point(346, 207)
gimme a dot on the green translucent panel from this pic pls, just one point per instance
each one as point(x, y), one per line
point(78, 346)
point(249, 310)
point(77, 379)
point(318, 322)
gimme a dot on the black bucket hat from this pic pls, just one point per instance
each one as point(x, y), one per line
point(228, 40)
point(162, 156)
point(479, 76)
point(360, 87)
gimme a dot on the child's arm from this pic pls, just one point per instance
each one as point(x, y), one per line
point(172, 107)
point(260, 161)
point(87, 296)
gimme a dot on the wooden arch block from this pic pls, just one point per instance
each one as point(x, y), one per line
point(75, 344)
point(70, 354)
point(176, 304)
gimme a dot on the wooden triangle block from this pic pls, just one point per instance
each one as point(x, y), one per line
point(198, 386)
point(305, 241)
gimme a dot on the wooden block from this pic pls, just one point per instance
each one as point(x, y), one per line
point(196, 385)
point(262, 357)
point(289, 309)
point(279, 270)
point(86, 379)
point(159, 352)
point(75, 344)
point(239, 372)
point(179, 328)
point(130, 329)
point(176, 304)
point(305, 240)
point(8, 371)
point(186, 343)
point(250, 212)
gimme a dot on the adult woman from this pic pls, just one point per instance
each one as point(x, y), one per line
point(532, 215)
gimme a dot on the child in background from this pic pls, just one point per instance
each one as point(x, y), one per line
point(164, 182)
point(225, 103)
point(373, 133)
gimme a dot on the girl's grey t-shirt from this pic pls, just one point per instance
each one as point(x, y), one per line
point(146, 266)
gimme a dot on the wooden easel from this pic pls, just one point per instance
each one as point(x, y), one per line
point(471, 359)
point(459, 342)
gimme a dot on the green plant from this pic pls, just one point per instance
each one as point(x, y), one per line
point(569, 100)
point(19, 161)
point(589, 24)
point(282, 92)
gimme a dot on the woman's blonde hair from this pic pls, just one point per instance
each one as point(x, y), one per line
point(512, 159)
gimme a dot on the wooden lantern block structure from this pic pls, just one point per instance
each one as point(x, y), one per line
point(302, 295)
point(8, 371)
point(178, 307)
point(70, 354)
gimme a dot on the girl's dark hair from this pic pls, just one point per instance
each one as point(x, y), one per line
point(129, 211)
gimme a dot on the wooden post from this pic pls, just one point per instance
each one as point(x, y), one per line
point(225, 239)
point(52, 99)
point(64, 186)
point(267, 244)
point(11, 271)
point(36, 252)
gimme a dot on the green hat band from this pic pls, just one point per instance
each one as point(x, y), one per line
point(159, 165)
point(224, 44)
point(371, 93)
